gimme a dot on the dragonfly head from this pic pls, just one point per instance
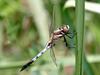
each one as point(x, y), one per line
point(66, 28)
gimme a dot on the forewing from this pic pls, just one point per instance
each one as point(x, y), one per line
point(52, 24)
point(51, 30)
point(70, 39)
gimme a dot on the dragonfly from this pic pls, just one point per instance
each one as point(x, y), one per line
point(54, 36)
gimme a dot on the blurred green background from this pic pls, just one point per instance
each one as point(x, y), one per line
point(24, 31)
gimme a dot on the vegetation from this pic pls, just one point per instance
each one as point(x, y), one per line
point(24, 31)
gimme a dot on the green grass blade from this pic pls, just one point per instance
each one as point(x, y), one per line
point(80, 36)
point(87, 67)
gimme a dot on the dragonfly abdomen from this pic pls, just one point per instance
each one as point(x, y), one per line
point(26, 65)
point(35, 58)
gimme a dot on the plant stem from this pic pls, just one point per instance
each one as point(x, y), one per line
point(80, 36)
point(1, 39)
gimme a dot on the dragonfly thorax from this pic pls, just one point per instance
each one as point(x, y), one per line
point(61, 30)
point(59, 33)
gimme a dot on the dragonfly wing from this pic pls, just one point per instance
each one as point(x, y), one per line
point(51, 30)
point(52, 54)
point(70, 41)
point(52, 24)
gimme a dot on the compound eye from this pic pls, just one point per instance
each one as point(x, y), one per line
point(68, 26)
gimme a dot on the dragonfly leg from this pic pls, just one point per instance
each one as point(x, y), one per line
point(71, 46)
point(65, 41)
point(71, 34)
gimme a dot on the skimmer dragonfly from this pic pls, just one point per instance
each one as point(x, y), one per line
point(54, 36)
